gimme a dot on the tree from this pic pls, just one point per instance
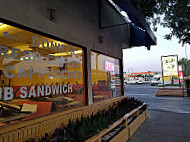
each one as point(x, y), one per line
point(186, 63)
point(176, 15)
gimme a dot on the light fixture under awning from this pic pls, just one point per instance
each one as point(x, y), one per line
point(139, 37)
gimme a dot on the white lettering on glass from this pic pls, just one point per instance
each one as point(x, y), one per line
point(70, 88)
point(7, 71)
point(23, 90)
point(16, 53)
point(36, 41)
point(8, 93)
point(40, 72)
point(64, 89)
point(40, 91)
point(32, 92)
point(22, 72)
point(48, 90)
point(4, 50)
point(31, 71)
point(55, 89)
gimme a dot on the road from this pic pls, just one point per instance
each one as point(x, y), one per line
point(168, 118)
point(146, 92)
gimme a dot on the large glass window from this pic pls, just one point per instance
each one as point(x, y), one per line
point(38, 75)
point(106, 79)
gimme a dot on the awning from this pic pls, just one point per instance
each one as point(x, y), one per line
point(144, 37)
point(139, 37)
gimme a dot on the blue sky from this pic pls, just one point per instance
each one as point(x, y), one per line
point(139, 59)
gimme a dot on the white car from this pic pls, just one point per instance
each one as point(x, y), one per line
point(155, 81)
point(134, 81)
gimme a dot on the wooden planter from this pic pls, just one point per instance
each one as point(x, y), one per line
point(131, 122)
point(36, 128)
point(177, 92)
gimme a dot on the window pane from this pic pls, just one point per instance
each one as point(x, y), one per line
point(38, 75)
point(106, 80)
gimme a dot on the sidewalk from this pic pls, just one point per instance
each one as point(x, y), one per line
point(164, 127)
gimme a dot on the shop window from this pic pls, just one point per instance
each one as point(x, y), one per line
point(38, 75)
point(106, 79)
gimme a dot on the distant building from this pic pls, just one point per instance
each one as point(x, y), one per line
point(147, 76)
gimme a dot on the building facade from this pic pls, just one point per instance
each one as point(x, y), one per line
point(56, 55)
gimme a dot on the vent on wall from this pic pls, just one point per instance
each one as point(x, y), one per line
point(51, 14)
point(100, 39)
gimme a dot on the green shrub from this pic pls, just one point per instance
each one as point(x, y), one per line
point(86, 127)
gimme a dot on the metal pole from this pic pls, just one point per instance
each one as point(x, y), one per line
point(186, 60)
point(162, 72)
point(183, 81)
point(163, 80)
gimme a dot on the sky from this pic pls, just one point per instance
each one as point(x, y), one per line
point(139, 59)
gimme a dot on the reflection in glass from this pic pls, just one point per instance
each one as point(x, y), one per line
point(38, 75)
point(106, 81)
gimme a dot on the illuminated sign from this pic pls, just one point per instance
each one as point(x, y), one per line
point(170, 65)
point(109, 66)
point(180, 71)
point(180, 74)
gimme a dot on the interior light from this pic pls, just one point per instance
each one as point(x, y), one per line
point(65, 54)
point(26, 58)
point(188, 5)
point(1, 23)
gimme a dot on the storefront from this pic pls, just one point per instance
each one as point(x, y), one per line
point(52, 63)
point(40, 75)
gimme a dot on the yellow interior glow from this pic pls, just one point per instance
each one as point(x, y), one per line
point(1, 24)
point(57, 42)
point(65, 54)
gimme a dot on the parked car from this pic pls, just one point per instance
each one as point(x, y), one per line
point(155, 81)
point(133, 81)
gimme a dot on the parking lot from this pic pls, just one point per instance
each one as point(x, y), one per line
point(146, 92)
point(168, 118)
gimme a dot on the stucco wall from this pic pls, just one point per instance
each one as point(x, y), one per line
point(76, 21)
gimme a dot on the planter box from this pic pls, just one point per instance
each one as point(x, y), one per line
point(137, 122)
point(172, 92)
point(123, 136)
point(131, 122)
point(36, 128)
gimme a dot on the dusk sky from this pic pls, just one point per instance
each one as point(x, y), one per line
point(139, 59)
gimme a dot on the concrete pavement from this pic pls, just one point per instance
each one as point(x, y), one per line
point(146, 93)
point(168, 119)
point(164, 127)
